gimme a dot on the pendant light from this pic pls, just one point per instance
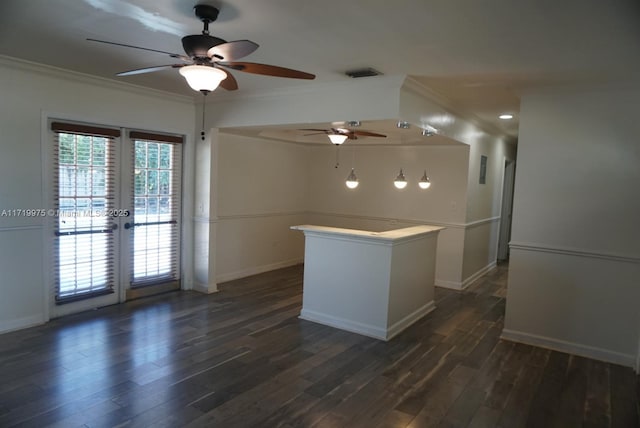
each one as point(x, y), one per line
point(424, 182)
point(352, 180)
point(400, 181)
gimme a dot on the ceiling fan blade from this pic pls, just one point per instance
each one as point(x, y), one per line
point(231, 51)
point(268, 70)
point(172, 55)
point(368, 134)
point(313, 129)
point(230, 83)
point(148, 69)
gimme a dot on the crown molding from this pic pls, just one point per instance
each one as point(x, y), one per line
point(391, 81)
point(412, 85)
point(75, 76)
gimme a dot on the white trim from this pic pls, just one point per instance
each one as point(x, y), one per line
point(368, 329)
point(456, 285)
point(74, 76)
point(412, 85)
point(259, 215)
point(20, 323)
point(453, 285)
point(470, 280)
point(408, 320)
point(390, 219)
point(477, 223)
point(388, 239)
point(204, 220)
point(256, 270)
point(388, 81)
point(627, 360)
point(16, 228)
point(204, 288)
point(344, 324)
point(578, 252)
point(469, 225)
point(396, 220)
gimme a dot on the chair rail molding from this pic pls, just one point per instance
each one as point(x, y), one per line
point(578, 252)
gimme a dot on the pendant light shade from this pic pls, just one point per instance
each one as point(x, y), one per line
point(424, 182)
point(337, 139)
point(352, 180)
point(203, 78)
point(400, 182)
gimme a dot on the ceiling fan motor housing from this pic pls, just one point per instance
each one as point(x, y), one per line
point(197, 45)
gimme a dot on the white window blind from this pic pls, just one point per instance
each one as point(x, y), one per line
point(155, 238)
point(84, 192)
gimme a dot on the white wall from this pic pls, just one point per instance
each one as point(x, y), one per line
point(575, 259)
point(476, 242)
point(484, 204)
point(261, 192)
point(377, 205)
point(31, 94)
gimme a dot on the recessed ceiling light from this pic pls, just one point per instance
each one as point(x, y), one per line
point(506, 116)
point(403, 124)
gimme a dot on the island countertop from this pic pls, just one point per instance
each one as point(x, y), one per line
point(388, 235)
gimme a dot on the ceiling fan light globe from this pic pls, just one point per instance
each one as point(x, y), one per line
point(202, 77)
point(337, 139)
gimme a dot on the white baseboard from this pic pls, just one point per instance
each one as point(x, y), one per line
point(20, 323)
point(367, 329)
point(254, 270)
point(488, 268)
point(405, 322)
point(344, 324)
point(600, 354)
point(456, 285)
point(204, 288)
point(453, 285)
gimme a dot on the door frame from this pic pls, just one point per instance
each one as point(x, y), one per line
point(188, 181)
point(506, 209)
point(52, 309)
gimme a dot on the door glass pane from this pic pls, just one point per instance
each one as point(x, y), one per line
point(156, 201)
point(84, 240)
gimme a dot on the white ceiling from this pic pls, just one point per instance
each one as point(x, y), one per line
point(479, 55)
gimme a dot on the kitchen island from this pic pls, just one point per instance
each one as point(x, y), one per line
point(371, 283)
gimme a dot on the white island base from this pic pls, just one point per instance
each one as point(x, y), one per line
point(371, 283)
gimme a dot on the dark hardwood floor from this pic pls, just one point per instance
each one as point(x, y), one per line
point(242, 358)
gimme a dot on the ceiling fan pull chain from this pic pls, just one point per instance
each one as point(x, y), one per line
point(337, 156)
point(204, 96)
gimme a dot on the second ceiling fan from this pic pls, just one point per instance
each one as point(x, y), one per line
point(340, 135)
point(208, 58)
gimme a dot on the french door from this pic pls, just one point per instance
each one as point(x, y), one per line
point(116, 214)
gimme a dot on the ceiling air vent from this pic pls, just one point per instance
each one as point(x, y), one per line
point(362, 72)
